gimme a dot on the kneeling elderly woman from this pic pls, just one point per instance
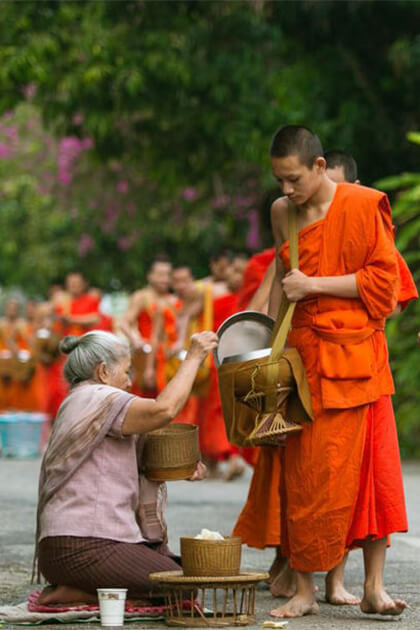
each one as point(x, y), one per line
point(100, 523)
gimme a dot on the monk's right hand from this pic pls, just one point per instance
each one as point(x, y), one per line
point(202, 343)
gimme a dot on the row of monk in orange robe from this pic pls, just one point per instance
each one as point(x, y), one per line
point(31, 376)
point(159, 321)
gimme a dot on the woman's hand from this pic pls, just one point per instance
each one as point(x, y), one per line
point(201, 344)
point(296, 285)
point(200, 472)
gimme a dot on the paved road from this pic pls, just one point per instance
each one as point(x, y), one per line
point(215, 505)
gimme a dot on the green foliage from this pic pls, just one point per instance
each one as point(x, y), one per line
point(402, 330)
point(169, 108)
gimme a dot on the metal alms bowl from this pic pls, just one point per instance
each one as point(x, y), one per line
point(244, 336)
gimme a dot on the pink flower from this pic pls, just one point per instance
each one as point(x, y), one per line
point(122, 186)
point(5, 151)
point(29, 91)
point(244, 201)
point(220, 202)
point(126, 242)
point(86, 244)
point(77, 119)
point(190, 194)
point(87, 143)
point(253, 238)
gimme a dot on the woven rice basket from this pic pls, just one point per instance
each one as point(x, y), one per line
point(201, 558)
point(171, 453)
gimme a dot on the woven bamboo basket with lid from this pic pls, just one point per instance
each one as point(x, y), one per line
point(171, 453)
point(216, 558)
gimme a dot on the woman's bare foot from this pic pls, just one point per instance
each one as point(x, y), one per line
point(378, 602)
point(65, 595)
point(299, 606)
point(284, 584)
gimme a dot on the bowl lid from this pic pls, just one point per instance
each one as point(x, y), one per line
point(241, 334)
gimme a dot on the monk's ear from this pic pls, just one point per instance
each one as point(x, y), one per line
point(357, 181)
point(102, 373)
point(320, 164)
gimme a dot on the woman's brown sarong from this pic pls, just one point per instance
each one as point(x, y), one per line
point(91, 563)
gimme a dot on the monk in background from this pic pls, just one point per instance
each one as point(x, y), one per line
point(20, 389)
point(79, 308)
point(150, 326)
point(203, 408)
point(219, 264)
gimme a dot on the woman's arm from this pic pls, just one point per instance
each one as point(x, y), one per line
point(145, 415)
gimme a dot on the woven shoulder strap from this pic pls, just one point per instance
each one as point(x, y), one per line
point(286, 309)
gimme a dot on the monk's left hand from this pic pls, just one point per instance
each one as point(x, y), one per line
point(200, 472)
point(296, 285)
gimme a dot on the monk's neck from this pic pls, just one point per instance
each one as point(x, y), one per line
point(157, 296)
point(318, 205)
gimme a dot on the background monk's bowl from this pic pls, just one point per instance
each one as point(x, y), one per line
point(171, 453)
point(215, 558)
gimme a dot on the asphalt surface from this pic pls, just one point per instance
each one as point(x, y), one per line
point(215, 505)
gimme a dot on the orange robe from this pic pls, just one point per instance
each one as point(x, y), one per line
point(206, 411)
point(259, 521)
point(255, 270)
point(13, 393)
point(342, 344)
point(336, 446)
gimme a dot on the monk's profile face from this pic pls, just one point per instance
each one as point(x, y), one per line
point(75, 284)
point(159, 277)
point(298, 181)
point(182, 282)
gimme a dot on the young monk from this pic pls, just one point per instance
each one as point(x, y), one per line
point(146, 308)
point(196, 313)
point(344, 289)
point(79, 308)
point(219, 264)
point(341, 168)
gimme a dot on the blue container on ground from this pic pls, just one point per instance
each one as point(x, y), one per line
point(20, 433)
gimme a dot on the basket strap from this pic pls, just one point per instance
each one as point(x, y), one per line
point(286, 309)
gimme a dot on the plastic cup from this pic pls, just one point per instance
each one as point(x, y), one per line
point(112, 605)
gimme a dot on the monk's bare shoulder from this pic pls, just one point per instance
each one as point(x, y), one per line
point(138, 299)
point(279, 209)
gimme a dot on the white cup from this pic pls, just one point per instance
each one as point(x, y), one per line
point(112, 605)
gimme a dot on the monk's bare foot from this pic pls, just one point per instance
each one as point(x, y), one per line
point(298, 606)
point(284, 584)
point(378, 602)
point(336, 593)
point(277, 566)
point(65, 595)
point(234, 469)
point(340, 596)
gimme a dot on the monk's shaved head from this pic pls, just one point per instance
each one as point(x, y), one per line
point(341, 159)
point(296, 140)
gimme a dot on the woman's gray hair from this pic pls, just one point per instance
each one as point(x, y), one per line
point(87, 351)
